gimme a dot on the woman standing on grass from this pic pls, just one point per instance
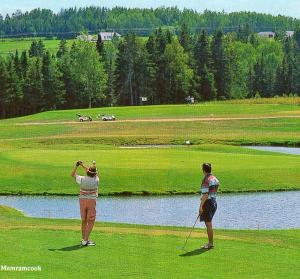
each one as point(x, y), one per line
point(208, 203)
point(87, 199)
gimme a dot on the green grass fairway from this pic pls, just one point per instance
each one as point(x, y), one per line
point(133, 251)
point(206, 110)
point(9, 46)
point(46, 145)
point(146, 171)
point(167, 124)
point(284, 131)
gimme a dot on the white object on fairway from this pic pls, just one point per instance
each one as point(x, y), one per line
point(108, 118)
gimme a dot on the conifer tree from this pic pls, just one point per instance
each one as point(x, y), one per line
point(220, 66)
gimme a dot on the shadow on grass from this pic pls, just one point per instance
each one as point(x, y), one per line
point(69, 248)
point(195, 252)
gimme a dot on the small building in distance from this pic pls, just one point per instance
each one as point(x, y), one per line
point(270, 35)
point(290, 33)
point(88, 38)
point(108, 36)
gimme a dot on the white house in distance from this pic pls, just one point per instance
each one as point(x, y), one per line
point(105, 36)
point(271, 35)
point(108, 36)
point(290, 33)
point(88, 38)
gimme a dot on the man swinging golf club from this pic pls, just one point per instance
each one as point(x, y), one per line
point(208, 203)
point(87, 199)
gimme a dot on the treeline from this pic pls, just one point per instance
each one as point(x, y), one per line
point(72, 20)
point(164, 68)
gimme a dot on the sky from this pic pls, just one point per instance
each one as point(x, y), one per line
point(275, 7)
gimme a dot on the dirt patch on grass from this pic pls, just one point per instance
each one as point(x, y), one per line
point(119, 230)
point(255, 238)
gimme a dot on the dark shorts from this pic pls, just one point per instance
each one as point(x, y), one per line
point(209, 210)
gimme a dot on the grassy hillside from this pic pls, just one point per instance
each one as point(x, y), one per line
point(46, 145)
point(246, 108)
point(134, 251)
point(268, 131)
point(216, 122)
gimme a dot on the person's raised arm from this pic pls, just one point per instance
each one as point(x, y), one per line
point(73, 173)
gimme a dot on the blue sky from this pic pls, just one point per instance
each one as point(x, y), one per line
point(284, 7)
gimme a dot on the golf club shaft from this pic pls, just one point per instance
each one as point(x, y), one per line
point(190, 232)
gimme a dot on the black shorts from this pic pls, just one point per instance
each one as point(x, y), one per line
point(209, 210)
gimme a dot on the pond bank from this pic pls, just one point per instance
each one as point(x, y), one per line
point(146, 193)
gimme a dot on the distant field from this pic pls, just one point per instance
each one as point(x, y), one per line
point(8, 46)
point(134, 251)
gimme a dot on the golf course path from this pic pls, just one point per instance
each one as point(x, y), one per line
point(163, 120)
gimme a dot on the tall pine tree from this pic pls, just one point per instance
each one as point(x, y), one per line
point(33, 91)
point(203, 63)
point(53, 87)
point(220, 66)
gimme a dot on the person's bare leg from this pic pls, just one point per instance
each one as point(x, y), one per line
point(83, 226)
point(83, 214)
point(88, 229)
point(89, 226)
point(91, 216)
point(210, 233)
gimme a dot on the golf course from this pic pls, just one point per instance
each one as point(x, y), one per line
point(144, 152)
point(48, 144)
point(130, 251)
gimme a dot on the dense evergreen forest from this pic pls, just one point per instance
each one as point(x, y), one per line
point(166, 67)
point(143, 21)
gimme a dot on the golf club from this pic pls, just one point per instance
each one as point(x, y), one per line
point(183, 248)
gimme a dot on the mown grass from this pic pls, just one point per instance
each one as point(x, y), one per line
point(238, 132)
point(147, 171)
point(36, 159)
point(207, 110)
point(276, 100)
point(9, 46)
point(127, 251)
point(15, 132)
point(285, 131)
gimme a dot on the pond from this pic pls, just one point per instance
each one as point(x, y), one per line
point(277, 210)
point(286, 150)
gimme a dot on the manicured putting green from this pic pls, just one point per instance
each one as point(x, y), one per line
point(148, 170)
